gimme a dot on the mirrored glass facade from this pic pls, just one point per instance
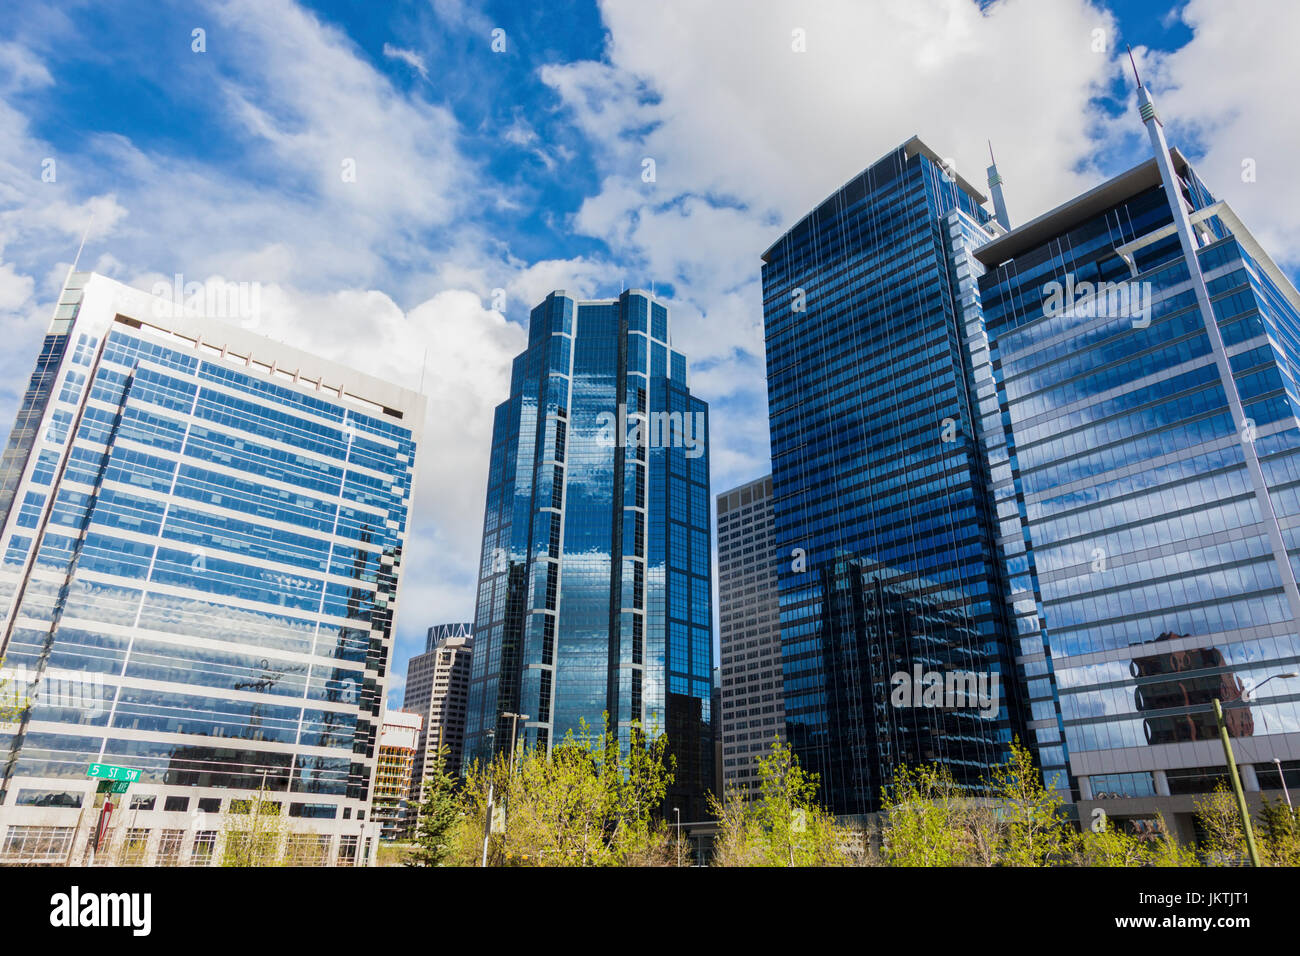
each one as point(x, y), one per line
point(888, 567)
point(206, 541)
point(595, 578)
point(1160, 531)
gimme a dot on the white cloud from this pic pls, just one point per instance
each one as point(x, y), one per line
point(1233, 88)
point(747, 135)
point(409, 57)
point(15, 290)
point(298, 99)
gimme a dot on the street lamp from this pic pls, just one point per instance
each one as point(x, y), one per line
point(678, 811)
point(514, 730)
point(487, 822)
point(1232, 769)
point(1277, 762)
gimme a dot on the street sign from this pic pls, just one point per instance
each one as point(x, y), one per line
point(106, 771)
point(113, 786)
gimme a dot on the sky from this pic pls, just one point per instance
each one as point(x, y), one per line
point(404, 181)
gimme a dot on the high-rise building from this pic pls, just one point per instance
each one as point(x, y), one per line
point(749, 617)
point(396, 801)
point(437, 687)
point(1146, 352)
point(206, 539)
point(595, 579)
point(890, 580)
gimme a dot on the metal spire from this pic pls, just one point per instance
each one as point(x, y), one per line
point(995, 187)
point(1133, 63)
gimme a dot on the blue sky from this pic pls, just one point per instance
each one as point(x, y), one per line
point(520, 170)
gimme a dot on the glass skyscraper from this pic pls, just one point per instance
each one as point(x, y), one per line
point(595, 579)
point(205, 537)
point(889, 573)
point(1146, 365)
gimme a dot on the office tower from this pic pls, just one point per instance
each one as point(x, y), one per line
point(595, 580)
point(890, 580)
point(749, 613)
point(396, 802)
point(437, 687)
point(207, 535)
point(1146, 350)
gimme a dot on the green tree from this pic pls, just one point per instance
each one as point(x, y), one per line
point(592, 800)
point(1109, 845)
point(1225, 840)
point(783, 825)
point(440, 813)
point(1034, 828)
point(12, 704)
point(930, 821)
point(1278, 834)
point(254, 831)
point(738, 841)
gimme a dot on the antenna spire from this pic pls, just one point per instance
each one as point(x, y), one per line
point(77, 258)
point(1133, 63)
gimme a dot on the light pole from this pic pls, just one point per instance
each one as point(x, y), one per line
point(514, 733)
point(514, 730)
point(678, 811)
point(487, 821)
point(1277, 762)
point(1232, 770)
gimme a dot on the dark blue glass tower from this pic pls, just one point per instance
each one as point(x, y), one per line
point(883, 521)
point(594, 586)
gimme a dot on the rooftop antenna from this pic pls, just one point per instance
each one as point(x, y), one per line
point(995, 187)
point(77, 258)
point(1133, 63)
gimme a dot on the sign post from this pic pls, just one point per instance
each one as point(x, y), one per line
point(113, 780)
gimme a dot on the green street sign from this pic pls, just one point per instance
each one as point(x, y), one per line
point(106, 771)
point(113, 786)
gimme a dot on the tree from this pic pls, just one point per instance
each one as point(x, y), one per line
point(738, 842)
point(592, 800)
point(1279, 834)
point(1225, 840)
point(440, 813)
point(12, 704)
point(1034, 829)
point(254, 829)
point(1112, 846)
point(931, 822)
point(784, 825)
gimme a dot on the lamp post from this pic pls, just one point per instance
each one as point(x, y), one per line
point(510, 759)
point(487, 821)
point(678, 812)
point(1277, 762)
point(1232, 770)
point(514, 731)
